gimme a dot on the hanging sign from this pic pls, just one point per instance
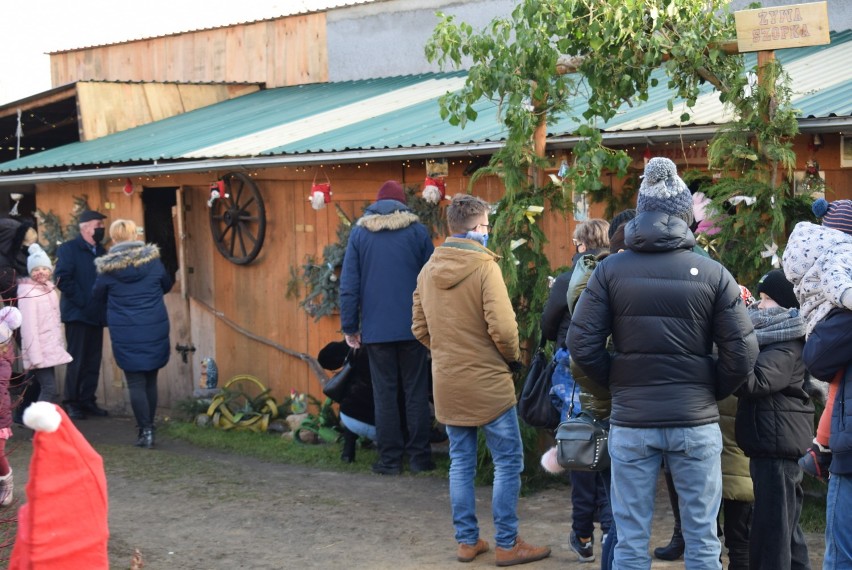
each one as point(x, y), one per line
point(780, 27)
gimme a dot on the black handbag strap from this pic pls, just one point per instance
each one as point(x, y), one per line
point(573, 390)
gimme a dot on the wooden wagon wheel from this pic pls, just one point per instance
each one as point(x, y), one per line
point(238, 219)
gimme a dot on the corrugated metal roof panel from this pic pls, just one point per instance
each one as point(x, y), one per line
point(820, 68)
point(402, 113)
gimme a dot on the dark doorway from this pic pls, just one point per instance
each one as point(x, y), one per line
point(159, 225)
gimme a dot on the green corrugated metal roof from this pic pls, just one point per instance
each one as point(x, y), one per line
point(402, 113)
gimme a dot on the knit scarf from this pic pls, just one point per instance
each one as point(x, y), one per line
point(776, 324)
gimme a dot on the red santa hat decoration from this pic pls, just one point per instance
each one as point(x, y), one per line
point(63, 525)
point(434, 189)
point(320, 193)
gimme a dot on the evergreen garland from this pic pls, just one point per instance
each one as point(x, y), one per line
point(49, 232)
point(81, 204)
point(322, 277)
point(756, 158)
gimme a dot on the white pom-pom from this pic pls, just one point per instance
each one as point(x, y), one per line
point(432, 194)
point(550, 463)
point(11, 317)
point(42, 416)
point(317, 200)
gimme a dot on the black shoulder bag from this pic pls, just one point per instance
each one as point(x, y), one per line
point(534, 405)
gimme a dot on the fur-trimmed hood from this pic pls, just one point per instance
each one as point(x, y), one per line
point(129, 255)
point(387, 215)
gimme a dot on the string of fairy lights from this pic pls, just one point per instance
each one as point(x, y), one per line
point(10, 141)
point(696, 146)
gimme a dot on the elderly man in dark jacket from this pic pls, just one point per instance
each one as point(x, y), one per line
point(665, 307)
point(84, 318)
point(387, 248)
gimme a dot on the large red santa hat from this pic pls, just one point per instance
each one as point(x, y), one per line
point(63, 525)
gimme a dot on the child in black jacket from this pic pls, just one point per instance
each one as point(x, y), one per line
point(774, 426)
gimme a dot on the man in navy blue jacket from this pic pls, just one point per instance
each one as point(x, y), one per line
point(387, 248)
point(84, 318)
point(827, 357)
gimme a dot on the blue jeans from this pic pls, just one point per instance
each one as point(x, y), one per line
point(838, 531)
point(608, 544)
point(358, 427)
point(694, 456)
point(503, 438)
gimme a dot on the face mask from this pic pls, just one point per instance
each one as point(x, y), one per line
point(98, 236)
point(480, 237)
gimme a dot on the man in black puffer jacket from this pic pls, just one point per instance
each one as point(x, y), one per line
point(665, 307)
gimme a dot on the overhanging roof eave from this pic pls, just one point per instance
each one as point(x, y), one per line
point(446, 150)
point(251, 163)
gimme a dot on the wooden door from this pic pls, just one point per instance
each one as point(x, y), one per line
point(164, 214)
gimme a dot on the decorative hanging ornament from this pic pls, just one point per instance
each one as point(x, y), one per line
point(217, 190)
point(320, 193)
point(647, 155)
point(17, 198)
point(434, 189)
point(533, 211)
point(772, 251)
point(128, 187)
point(748, 200)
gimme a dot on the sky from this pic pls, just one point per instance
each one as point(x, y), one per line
point(32, 28)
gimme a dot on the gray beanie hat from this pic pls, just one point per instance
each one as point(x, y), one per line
point(37, 258)
point(662, 190)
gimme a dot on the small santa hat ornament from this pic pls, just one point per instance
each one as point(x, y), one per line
point(434, 189)
point(63, 525)
point(318, 199)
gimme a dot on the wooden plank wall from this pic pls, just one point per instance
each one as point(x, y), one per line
point(225, 298)
point(285, 51)
point(107, 197)
point(106, 108)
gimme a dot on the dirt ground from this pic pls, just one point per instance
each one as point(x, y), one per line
point(189, 508)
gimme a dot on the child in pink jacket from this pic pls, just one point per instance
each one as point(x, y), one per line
point(42, 339)
point(10, 319)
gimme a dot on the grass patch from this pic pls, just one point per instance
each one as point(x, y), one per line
point(813, 514)
point(813, 506)
point(277, 449)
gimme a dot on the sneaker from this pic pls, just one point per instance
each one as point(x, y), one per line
point(521, 553)
point(816, 462)
point(467, 552)
point(7, 488)
point(585, 550)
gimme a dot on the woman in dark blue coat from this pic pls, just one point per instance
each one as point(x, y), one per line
point(132, 281)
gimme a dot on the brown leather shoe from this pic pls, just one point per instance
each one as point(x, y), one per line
point(467, 552)
point(521, 553)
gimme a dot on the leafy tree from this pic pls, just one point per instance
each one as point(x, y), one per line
point(580, 61)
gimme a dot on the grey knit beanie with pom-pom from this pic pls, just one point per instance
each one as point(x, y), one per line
point(662, 190)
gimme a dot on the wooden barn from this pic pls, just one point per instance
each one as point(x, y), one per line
point(147, 129)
